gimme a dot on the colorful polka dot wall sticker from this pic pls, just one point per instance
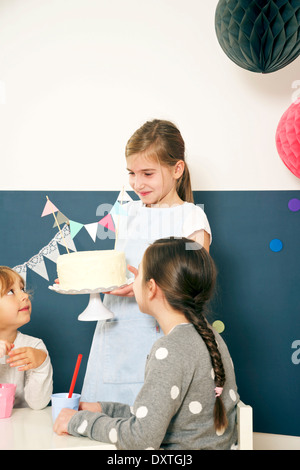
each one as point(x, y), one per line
point(294, 205)
point(218, 326)
point(276, 245)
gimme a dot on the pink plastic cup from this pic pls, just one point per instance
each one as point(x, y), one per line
point(7, 398)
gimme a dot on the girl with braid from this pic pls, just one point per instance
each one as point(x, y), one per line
point(189, 396)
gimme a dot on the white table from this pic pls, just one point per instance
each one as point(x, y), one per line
point(29, 429)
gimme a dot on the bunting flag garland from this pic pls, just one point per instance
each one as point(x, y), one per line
point(37, 264)
point(61, 219)
point(124, 197)
point(92, 230)
point(50, 251)
point(109, 221)
point(69, 231)
point(118, 209)
point(49, 208)
point(75, 227)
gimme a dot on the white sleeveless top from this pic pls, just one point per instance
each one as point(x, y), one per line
point(115, 370)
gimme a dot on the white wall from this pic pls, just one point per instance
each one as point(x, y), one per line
point(77, 77)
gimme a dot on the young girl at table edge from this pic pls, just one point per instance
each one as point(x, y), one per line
point(24, 359)
point(189, 396)
point(159, 175)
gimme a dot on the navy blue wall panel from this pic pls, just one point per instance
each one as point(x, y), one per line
point(257, 296)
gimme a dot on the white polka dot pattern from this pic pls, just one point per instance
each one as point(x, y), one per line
point(195, 407)
point(142, 412)
point(113, 435)
point(177, 383)
point(161, 353)
point(232, 395)
point(174, 392)
point(81, 429)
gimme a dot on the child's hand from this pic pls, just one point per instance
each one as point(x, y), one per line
point(5, 347)
point(94, 407)
point(62, 421)
point(27, 358)
point(126, 291)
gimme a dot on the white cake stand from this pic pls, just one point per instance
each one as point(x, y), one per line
point(95, 309)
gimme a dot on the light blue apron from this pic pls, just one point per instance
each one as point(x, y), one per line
point(115, 370)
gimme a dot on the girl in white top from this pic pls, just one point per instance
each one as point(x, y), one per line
point(24, 360)
point(158, 174)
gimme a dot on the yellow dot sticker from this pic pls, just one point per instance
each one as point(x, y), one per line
point(218, 326)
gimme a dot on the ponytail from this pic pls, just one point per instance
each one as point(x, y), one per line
point(184, 187)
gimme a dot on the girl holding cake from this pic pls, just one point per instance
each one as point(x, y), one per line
point(159, 175)
point(189, 397)
point(24, 360)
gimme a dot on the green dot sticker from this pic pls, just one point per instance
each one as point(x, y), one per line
point(218, 326)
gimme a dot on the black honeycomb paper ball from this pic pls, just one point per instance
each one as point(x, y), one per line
point(259, 35)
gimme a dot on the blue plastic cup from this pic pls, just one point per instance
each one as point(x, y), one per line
point(61, 400)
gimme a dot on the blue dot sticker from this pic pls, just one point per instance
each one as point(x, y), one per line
point(276, 245)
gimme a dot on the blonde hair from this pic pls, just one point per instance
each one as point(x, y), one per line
point(7, 278)
point(162, 139)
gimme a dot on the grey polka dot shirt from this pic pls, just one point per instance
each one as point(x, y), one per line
point(174, 408)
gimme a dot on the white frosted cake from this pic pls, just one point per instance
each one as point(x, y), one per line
point(91, 269)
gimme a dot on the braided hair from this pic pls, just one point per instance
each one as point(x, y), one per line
point(186, 274)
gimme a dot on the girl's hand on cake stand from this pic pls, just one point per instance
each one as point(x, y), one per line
point(126, 291)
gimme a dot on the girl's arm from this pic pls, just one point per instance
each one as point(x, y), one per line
point(39, 383)
point(201, 237)
point(111, 409)
point(126, 291)
point(151, 415)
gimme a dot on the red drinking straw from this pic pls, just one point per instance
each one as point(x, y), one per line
point(75, 375)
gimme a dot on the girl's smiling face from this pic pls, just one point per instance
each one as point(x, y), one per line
point(15, 306)
point(153, 182)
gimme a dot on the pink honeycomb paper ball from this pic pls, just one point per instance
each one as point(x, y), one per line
point(288, 138)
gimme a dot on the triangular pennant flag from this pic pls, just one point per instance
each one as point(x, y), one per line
point(118, 209)
point(92, 230)
point(66, 239)
point(107, 222)
point(22, 270)
point(60, 219)
point(75, 227)
point(37, 264)
point(50, 251)
point(49, 208)
point(124, 197)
